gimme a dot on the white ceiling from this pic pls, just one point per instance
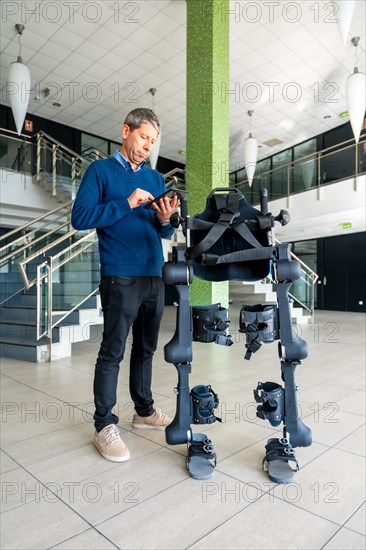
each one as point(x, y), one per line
point(287, 63)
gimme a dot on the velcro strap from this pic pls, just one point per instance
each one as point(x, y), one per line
point(209, 259)
point(224, 340)
point(248, 255)
point(254, 345)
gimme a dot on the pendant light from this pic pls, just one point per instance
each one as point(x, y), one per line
point(250, 153)
point(19, 78)
point(344, 17)
point(356, 96)
point(154, 155)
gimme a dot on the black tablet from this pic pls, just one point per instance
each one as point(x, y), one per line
point(170, 193)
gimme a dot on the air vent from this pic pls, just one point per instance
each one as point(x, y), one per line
point(272, 142)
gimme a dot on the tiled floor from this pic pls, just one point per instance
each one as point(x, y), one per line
point(58, 492)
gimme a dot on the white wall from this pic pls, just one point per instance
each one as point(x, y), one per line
point(22, 199)
point(320, 213)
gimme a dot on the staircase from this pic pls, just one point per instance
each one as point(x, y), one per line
point(49, 273)
point(18, 331)
point(261, 292)
point(43, 315)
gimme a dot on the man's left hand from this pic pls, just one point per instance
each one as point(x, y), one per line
point(166, 207)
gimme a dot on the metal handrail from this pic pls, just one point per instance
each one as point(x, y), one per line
point(25, 226)
point(33, 242)
point(41, 252)
point(60, 145)
point(95, 150)
point(316, 156)
point(174, 171)
point(17, 136)
point(48, 275)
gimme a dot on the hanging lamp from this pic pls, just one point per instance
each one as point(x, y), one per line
point(19, 78)
point(250, 153)
point(344, 17)
point(154, 155)
point(356, 96)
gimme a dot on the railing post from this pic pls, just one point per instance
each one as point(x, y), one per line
point(319, 175)
point(49, 308)
point(54, 165)
point(73, 178)
point(288, 184)
point(38, 302)
point(39, 149)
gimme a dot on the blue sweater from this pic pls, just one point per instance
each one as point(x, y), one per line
point(129, 238)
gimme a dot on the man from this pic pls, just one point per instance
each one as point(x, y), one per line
point(111, 199)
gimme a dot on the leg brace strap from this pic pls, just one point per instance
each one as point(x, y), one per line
point(271, 397)
point(210, 324)
point(205, 401)
point(279, 449)
point(260, 325)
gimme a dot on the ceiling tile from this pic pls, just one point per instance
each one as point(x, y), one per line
point(142, 11)
point(78, 61)
point(66, 38)
point(161, 24)
point(105, 39)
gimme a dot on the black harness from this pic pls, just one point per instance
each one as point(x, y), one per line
point(226, 235)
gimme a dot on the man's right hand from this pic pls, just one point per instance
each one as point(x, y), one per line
point(139, 196)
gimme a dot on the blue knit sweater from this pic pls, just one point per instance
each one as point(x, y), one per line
point(129, 238)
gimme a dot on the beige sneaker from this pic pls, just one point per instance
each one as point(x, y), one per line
point(110, 445)
point(157, 421)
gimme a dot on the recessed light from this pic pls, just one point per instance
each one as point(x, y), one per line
point(56, 104)
point(272, 142)
point(327, 116)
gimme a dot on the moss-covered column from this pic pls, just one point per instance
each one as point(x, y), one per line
point(207, 117)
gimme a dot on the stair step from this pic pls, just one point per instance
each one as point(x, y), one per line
point(27, 315)
point(34, 354)
point(12, 277)
point(24, 353)
point(24, 334)
point(58, 301)
point(248, 300)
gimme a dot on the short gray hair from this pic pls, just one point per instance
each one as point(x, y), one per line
point(139, 116)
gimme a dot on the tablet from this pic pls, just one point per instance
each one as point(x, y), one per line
point(170, 194)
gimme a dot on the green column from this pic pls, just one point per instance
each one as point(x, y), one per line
point(207, 164)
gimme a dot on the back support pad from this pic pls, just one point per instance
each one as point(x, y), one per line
point(228, 204)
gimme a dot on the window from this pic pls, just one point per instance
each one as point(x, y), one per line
point(304, 167)
point(281, 173)
point(89, 142)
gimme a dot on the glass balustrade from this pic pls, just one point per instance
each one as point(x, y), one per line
point(282, 176)
point(67, 281)
point(22, 249)
point(58, 170)
point(16, 155)
point(303, 290)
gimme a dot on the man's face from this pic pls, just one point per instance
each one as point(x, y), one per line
point(137, 145)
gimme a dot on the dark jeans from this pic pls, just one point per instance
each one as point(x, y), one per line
point(126, 301)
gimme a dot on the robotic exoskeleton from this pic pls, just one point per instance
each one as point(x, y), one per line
point(231, 240)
